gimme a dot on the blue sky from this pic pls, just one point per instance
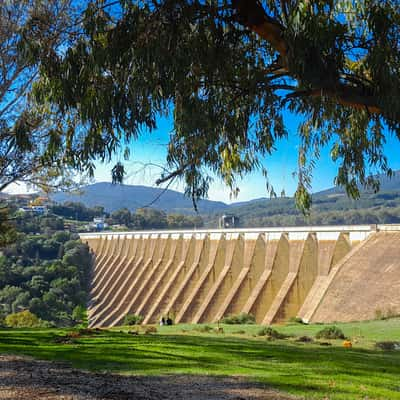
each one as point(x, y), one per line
point(151, 148)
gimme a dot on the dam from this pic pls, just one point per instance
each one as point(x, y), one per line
point(318, 274)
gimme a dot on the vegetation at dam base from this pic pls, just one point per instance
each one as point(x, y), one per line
point(301, 367)
point(44, 267)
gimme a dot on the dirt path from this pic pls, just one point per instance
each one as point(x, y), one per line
point(25, 378)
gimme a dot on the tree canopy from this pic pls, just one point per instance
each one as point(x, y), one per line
point(226, 72)
point(45, 271)
point(27, 131)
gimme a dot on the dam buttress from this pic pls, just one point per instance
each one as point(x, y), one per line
point(318, 274)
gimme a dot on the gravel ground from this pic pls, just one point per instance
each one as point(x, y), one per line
point(25, 378)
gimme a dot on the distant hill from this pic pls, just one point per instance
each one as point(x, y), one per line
point(331, 206)
point(113, 197)
point(387, 185)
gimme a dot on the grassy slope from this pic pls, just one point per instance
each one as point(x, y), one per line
point(303, 369)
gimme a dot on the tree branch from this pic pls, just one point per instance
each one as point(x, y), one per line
point(172, 175)
point(348, 96)
point(251, 14)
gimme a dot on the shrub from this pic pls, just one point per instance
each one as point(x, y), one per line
point(89, 331)
point(271, 333)
point(385, 314)
point(2, 321)
point(133, 319)
point(387, 346)
point(203, 328)
point(79, 315)
point(23, 319)
point(239, 319)
point(296, 320)
point(150, 329)
point(46, 324)
point(330, 332)
point(304, 339)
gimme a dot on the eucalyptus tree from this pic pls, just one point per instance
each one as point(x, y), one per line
point(26, 130)
point(31, 136)
point(226, 72)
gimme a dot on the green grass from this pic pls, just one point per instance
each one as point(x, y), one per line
point(308, 370)
point(364, 333)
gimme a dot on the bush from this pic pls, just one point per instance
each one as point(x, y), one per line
point(203, 328)
point(79, 315)
point(385, 314)
point(304, 339)
point(133, 319)
point(150, 329)
point(387, 346)
point(240, 319)
point(271, 333)
point(330, 332)
point(296, 320)
point(23, 319)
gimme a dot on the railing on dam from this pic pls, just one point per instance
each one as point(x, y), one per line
point(203, 275)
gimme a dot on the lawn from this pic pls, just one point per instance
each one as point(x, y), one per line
point(305, 369)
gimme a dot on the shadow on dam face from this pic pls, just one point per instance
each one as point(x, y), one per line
point(319, 274)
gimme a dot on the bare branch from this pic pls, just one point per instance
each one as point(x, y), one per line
point(173, 174)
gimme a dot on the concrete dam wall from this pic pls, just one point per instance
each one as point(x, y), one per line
point(325, 274)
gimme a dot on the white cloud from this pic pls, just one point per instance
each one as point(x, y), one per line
point(19, 188)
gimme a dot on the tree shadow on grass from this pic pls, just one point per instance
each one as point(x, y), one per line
point(27, 378)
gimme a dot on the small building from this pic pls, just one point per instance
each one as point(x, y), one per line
point(98, 224)
point(40, 210)
point(228, 221)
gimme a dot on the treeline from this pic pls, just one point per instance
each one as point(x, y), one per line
point(76, 211)
point(349, 217)
point(36, 224)
point(46, 273)
point(142, 218)
point(332, 209)
point(150, 218)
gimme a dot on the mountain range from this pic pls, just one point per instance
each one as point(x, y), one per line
point(113, 197)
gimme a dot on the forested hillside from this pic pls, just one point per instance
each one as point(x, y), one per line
point(133, 197)
point(330, 207)
point(46, 271)
point(141, 219)
point(327, 209)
